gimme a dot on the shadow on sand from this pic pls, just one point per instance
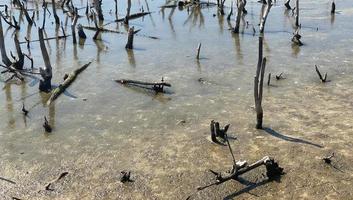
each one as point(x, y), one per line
point(289, 138)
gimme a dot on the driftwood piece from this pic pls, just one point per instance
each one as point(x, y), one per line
point(279, 77)
point(260, 71)
point(67, 82)
point(241, 167)
point(20, 62)
point(132, 16)
point(130, 38)
point(46, 73)
point(156, 86)
point(328, 159)
point(198, 51)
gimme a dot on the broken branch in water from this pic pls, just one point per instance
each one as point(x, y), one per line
point(130, 38)
point(296, 38)
point(320, 76)
point(46, 73)
point(67, 82)
point(216, 131)
point(157, 87)
point(198, 51)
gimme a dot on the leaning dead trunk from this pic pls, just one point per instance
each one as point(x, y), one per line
point(260, 71)
point(73, 28)
point(4, 57)
point(46, 73)
point(126, 20)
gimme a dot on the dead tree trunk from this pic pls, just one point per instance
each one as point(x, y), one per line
point(333, 7)
point(126, 20)
point(46, 73)
point(4, 57)
point(57, 20)
point(98, 7)
point(239, 13)
point(44, 14)
point(130, 38)
point(260, 71)
point(73, 28)
point(297, 13)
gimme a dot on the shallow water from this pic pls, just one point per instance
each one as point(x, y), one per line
point(120, 128)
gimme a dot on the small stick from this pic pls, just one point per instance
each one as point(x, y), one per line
point(198, 51)
point(269, 79)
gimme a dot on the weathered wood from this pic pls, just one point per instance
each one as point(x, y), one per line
point(198, 51)
point(73, 29)
point(333, 7)
point(260, 71)
point(287, 4)
point(133, 16)
point(133, 82)
point(272, 171)
point(56, 17)
point(20, 62)
point(15, 25)
point(239, 13)
point(230, 12)
point(81, 33)
point(323, 79)
point(269, 79)
point(130, 39)
point(127, 17)
point(4, 57)
point(98, 8)
point(46, 73)
point(296, 38)
point(28, 18)
point(297, 13)
point(67, 82)
point(45, 5)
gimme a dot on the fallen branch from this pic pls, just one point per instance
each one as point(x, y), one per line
point(67, 82)
point(157, 86)
point(133, 16)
